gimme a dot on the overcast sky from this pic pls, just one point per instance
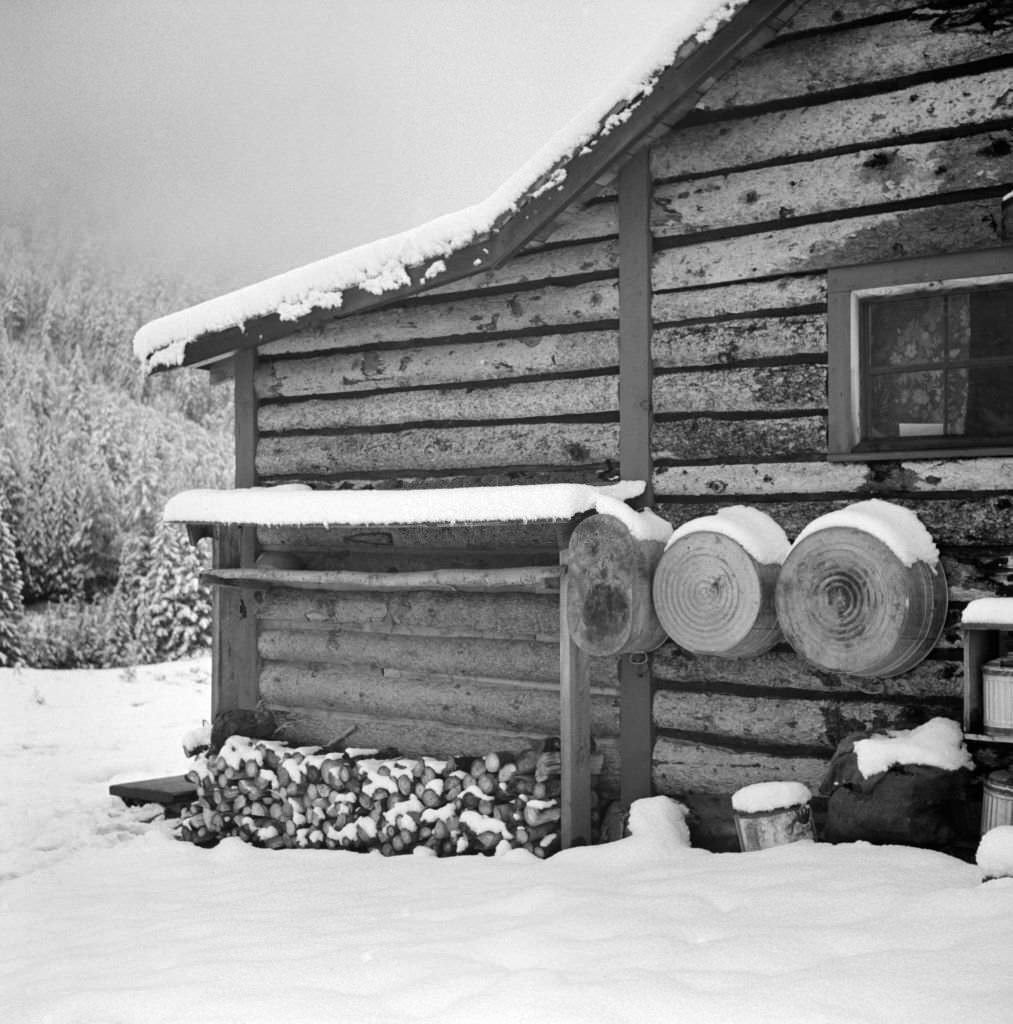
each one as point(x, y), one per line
point(241, 138)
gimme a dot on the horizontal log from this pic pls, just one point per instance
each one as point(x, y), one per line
point(509, 616)
point(529, 579)
point(975, 574)
point(596, 220)
point(819, 14)
point(375, 369)
point(798, 68)
point(681, 766)
point(782, 670)
point(519, 706)
point(364, 479)
point(704, 438)
point(758, 298)
point(414, 737)
point(506, 401)
point(952, 522)
point(783, 721)
point(390, 560)
point(450, 448)
point(547, 307)
point(729, 341)
point(865, 239)
point(880, 119)
point(868, 177)
point(427, 536)
point(458, 656)
point(599, 258)
point(864, 480)
point(752, 389)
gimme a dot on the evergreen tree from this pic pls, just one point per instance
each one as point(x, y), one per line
point(11, 608)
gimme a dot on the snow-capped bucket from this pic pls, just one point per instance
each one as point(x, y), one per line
point(769, 814)
point(997, 801)
point(997, 696)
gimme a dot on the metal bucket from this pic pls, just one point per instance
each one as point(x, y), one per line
point(997, 801)
point(760, 830)
point(997, 696)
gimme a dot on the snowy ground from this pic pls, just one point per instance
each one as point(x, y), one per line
point(105, 918)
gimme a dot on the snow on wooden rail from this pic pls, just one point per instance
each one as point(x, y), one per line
point(300, 506)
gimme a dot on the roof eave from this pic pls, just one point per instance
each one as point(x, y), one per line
point(677, 90)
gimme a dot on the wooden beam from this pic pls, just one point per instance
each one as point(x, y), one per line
point(574, 730)
point(536, 579)
point(636, 689)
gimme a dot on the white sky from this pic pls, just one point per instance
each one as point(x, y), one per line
point(239, 139)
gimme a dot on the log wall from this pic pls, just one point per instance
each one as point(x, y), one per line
point(860, 135)
point(508, 377)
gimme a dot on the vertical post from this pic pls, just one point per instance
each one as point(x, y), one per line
point(235, 668)
point(574, 728)
point(636, 688)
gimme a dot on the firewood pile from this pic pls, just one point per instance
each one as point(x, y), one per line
point(279, 796)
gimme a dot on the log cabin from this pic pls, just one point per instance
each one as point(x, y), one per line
point(687, 291)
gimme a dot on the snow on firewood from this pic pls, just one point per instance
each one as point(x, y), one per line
point(939, 743)
point(661, 821)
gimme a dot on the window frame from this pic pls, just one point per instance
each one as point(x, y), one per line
point(846, 287)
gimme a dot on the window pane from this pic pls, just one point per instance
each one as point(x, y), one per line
point(958, 325)
point(906, 331)
point(991, 318)
point(990, 401)
point(906, 404)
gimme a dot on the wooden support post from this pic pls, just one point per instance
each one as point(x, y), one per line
point(636, 689)
point(235, 668)
point(574, 730)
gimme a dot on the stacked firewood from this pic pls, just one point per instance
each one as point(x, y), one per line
point(279, 796)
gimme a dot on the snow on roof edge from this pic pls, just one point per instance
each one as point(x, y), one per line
point(382, 265)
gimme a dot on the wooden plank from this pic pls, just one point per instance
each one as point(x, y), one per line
point(683, 766)
point(984, 521)
point(574, 729)
point(495, 476)
point(531, 580)
point(746, 389)
point(781, 296)
point(864, 239)
point(754, 717)
point(880, 119)
point(508, 616)
point(516, 705)
point(426, 366)
point(782, 671)
point(456, 656)
point(593, 221)
point(569, 396)
point(771, 478)
point(725, 342)
point(835, 14)
point(234, 668)
point(800, 68)
point(450, 448)
point(425, 536)
point(701, 437)
point(869, 177)
point(173, 791)
point(636, 688)
point(547, 307)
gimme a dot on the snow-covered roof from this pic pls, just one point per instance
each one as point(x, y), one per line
point(418, 255)
point(296, 505)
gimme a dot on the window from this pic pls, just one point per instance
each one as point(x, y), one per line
point(921, 357)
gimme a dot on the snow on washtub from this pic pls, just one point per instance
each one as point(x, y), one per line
point(301, 506)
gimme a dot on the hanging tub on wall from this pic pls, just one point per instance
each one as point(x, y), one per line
point(714, 586)
point(862, 591)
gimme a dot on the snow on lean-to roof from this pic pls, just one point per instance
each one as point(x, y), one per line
point(297, 505)
point(382, 265)
point(897, 527)
point(993, 611)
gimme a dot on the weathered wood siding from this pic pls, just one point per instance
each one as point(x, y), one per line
point(859, 135)
point(508, 377)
